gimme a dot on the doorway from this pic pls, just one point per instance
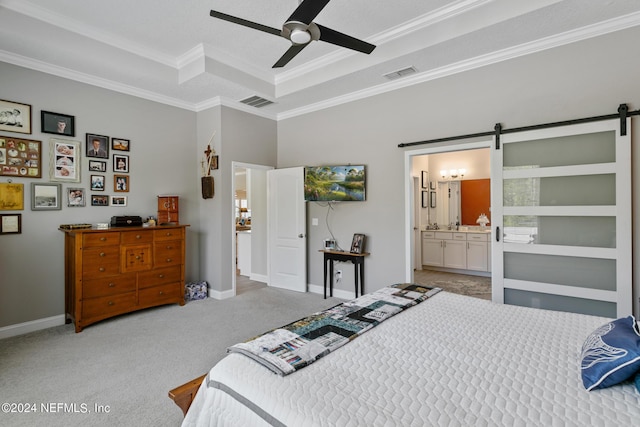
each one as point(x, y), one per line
point(446, 167)
point(248, 202)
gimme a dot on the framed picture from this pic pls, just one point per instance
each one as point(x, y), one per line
point(99, 200)
point(119, 144)
point(121, 183)
point(120, 163)
point(97, 166)
point(214, 162)
point(60, 124)
point(433, 196)
point(20, 157)
point(432, 186)
point(118, 200)
point(45, 197)
point(425, 179)
point(97, 182)
point(64, 160)
point(97, 146)
point(15, 117)
point(425, 199)
point(11, 196)
point(357, 244)
point(75, 197)
point(10, 223)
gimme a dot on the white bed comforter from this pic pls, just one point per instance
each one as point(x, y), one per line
point(456, 361)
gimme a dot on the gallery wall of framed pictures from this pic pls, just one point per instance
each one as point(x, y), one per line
point(21, 157)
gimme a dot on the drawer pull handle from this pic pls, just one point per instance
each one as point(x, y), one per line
point(101, 269)
point(161, 276)
point(103, 239)
point(168, 259)
point(137, 256)
point(168, 234)
point(110, 303)
point(138, 236)
point(111, 285)
point(102, 254)
point(161, 293)
point(169, 247)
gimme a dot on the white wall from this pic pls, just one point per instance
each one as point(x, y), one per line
point(589, 78)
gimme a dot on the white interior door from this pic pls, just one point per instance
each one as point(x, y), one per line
point(561, 216)
point(287, 255)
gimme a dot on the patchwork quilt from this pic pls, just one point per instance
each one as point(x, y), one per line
point(292, 347)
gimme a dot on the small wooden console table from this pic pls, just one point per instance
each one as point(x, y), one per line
point(358, 268)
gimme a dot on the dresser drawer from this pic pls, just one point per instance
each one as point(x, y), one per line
point(167, 234)
point(100, 239)
point(109, 305)
point(100, 262)
point(109, 286)
point(459, 236)
point(159, 276)
point(478, 237)
point(135, 237)
point(171, 292)
point(168, 253)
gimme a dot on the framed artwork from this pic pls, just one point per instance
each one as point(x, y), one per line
point(118, 200)
point(97, 166)
point(59, 124)
point(425, 179)
point(432, 186)
point(45, 197)
point(425, 199)
point(99, 200)
point(214, 162)
point(75, 197)
point(357, 244)
point(11, 196)
point(97, 146)
point(64, 160)
point(10, 223)
point(433, 196)
point(120, 163)
point(15, 117)
point(119, 144)
point(121, 183)
point(97, 182)
point(20, 157)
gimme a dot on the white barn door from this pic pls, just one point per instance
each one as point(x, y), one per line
point(561, 219)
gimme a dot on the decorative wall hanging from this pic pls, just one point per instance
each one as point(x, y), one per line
point(119, 144)
point(20, 157)
point(45, 197)
point(75, 197)
point(11, 196)
point(64, 160)
point(120, 163)
point(59, 124)
point(97, 146)
point(15, 117)
point(10, 223)
point(209, 163)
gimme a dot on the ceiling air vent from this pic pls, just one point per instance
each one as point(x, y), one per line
point(256, 101)
point(400, 73)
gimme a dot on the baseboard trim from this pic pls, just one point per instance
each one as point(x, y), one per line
point(31, 326)
point(337, 293)
point(220, 294)
point(259, 278)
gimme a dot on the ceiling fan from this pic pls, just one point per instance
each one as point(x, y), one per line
point(301, 30)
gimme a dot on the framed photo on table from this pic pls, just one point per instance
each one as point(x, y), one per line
point(357, 244)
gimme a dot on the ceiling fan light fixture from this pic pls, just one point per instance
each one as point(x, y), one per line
point(300, 36)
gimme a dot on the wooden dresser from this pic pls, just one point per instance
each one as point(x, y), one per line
point(119, 270)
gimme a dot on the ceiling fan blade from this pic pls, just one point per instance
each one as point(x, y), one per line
point(307, 11)
point(335, 37)
point(289, 55)
point(246, 23)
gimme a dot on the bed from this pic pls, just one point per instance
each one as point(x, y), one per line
point(449, 360)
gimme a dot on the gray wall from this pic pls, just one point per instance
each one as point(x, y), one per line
point(162, 161)
point(585, 79)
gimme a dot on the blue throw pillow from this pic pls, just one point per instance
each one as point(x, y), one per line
point(611, 354)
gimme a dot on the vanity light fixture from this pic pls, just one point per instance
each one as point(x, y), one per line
point(453, 173)
point(443, 173)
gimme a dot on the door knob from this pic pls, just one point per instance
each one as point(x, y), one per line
point(301, 235)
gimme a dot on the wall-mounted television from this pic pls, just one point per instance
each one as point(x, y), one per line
point(334, 183)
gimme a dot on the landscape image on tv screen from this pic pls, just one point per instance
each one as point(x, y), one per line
point(334, 183)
